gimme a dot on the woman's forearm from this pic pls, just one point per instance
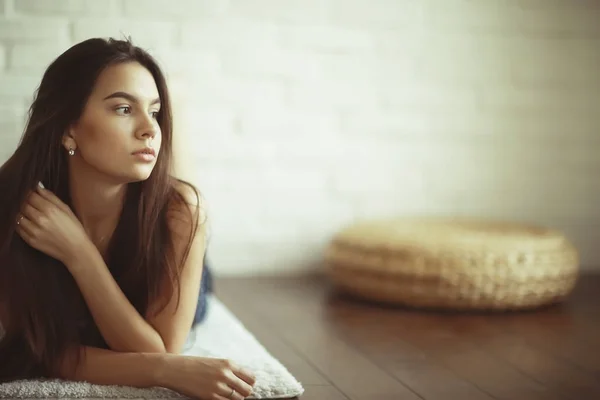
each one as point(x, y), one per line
point(108, 367)
point(122, 327)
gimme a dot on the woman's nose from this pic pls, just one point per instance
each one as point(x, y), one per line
point(149, 128)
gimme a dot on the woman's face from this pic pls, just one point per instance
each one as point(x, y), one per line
point(118, 120)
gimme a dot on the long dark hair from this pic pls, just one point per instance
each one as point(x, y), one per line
point(47, 313)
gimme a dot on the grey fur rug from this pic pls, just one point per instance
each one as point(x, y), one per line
point(221, 335)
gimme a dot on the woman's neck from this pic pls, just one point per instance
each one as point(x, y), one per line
point(98, 205)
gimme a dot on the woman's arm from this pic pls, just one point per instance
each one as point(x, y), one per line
point(195, 377)
point(122, 327)
point(107, 367)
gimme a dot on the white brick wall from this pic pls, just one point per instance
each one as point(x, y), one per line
point(302, 115)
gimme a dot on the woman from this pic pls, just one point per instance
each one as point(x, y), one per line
point(101, 248)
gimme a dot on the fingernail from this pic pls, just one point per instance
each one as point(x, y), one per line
point(40, 184)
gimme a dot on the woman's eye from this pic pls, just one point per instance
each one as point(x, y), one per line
point(154, 114)
point(123, 110)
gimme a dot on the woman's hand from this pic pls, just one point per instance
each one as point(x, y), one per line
point(205, 378)
point(48, 225)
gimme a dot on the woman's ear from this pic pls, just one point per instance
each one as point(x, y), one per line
point(68, 141)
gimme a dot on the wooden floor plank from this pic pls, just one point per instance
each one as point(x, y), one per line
point(271, 340)
point(361, 351)
point(564, 341)
point(350, 371)
point(409, 364)
point(321, 392)
point(490, 334)
point(431, 334)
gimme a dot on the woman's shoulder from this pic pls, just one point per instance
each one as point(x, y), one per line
point(187, 197)
point(188, 192)
point(187, 202)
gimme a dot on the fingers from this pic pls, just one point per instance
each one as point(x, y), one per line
point(23, 223)
point(230, 393)
point(31, 213)
point(40, 198)
point(241, 388)
point(36, 200)
point(24, 230)
point(244, 375)
point(52, 198)
point(237, 396)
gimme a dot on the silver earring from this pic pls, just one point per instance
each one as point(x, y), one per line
point(71, 151)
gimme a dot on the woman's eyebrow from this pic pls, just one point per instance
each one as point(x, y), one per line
point(129, 97)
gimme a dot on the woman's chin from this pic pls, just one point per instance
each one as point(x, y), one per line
point(140, 175)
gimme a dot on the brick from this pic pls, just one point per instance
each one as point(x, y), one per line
point(513, 19)
point(270, 63)
point(269, 121)
point(146, 34)
point(12, 122)
point(454, 124)
point(537, 126)
point(66, 7)
point(387, 124)
point(265, 178)
point(377, 71)
point(570, 157)
point(235, 93)
point(430, 96)
point(264, 257)
point(375, 14)
point(304, 207)
point(177, 62)
point(273, 150)
point(546, 62)
point(232, 32)
point(247, 226)
point(326, 38)
point(18, 85)
point(463, 16)
point(33, 58)
point(508, 99)
point(3, 57)
point(557, 72)
point(451, 59)
point(284, 150)
point(34, 29)
point(200, 125)
point(379, 178)
point(8, 144)
point(400, 41)
point(531, 62)
point(566, 203)
point(431, 47)
point(212, 148)
point(562, 22)
point(334, 95)
point(582, 5)
point(313, 11)
point(167, 9)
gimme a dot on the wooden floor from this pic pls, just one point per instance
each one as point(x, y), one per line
point(339, 348)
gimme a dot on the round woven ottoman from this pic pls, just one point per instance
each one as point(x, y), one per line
point(453, 263)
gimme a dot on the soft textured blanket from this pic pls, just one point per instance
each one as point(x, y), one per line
point(221, 335)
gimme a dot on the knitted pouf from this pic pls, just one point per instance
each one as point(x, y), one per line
point(453, 263)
